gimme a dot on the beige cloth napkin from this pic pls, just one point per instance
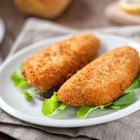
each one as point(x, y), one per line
point(127, 128)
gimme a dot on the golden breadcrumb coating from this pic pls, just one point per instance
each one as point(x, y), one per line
point(53, 65)
point(103, 80)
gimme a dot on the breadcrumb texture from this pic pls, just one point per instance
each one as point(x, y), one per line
point(102, 80)
point(53, 65)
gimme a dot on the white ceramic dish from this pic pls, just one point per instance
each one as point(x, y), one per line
point(2, 30)
point(12, 101)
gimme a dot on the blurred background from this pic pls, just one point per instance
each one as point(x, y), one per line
point(80, 14)
point(72, 13)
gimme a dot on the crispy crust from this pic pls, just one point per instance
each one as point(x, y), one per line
point(103, 80)
point(53, 65)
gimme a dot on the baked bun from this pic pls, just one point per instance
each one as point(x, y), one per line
point(42, 8)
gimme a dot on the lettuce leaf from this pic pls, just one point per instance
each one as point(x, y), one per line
point(126, 99)
point(135, 84)
point(16, 80)
point(16, 76)
point(27, 96)
point(21, 83)
point(62, 106)
point(122, 102)
point(84, 111)
point(51, 105)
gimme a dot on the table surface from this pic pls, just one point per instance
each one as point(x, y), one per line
point(80, 14)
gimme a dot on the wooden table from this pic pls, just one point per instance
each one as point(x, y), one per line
point(80, 14)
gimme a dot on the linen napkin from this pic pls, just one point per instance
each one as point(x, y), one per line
point(127, 128)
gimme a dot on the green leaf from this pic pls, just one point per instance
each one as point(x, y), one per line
point(23, 84)
point(108, 105)
point(122, 102)
point(19, 72)
point(101, 107)
point(27, 96)
point(21, 67)
point(126, 99)
point(134, 85)
point(50, 105)
point(62, 106)
point(117, 107)
point(84, 111)
point(15, 78)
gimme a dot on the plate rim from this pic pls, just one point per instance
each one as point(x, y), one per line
point(54, 122)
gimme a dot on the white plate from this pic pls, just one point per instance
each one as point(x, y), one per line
point(12, 101)
point(2, 30)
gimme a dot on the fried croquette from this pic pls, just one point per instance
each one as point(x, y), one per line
point(102, 80)
point(53, 65)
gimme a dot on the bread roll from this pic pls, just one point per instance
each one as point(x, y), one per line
point(42, 8)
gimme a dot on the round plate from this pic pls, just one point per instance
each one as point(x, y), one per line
point(12, 101)
point(2, 30)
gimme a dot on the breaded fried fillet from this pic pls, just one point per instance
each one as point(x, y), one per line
point(103, 80)
point(53, 65)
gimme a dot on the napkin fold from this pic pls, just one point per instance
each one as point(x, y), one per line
point(127, 128)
